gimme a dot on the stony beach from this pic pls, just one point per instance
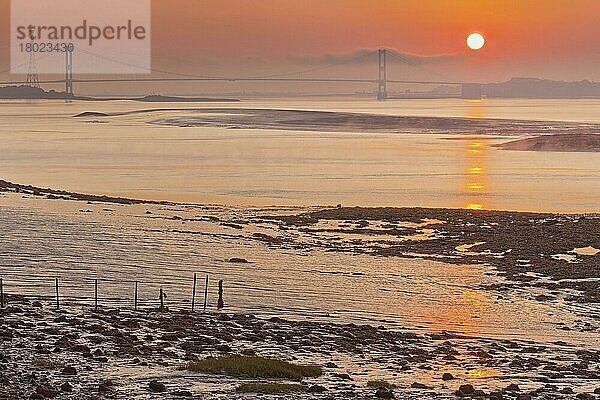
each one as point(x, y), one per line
point(82, 354)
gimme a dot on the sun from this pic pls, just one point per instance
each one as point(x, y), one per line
point(475, 41)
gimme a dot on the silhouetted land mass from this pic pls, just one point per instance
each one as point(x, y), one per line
point(542, 88)
point(28, 92)
point(174, 99)
point(25, 92)
point(528, 88)
point(565, 142)
point(64, 195)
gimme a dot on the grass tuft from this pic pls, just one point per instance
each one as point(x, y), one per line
point(271, 388)
point(380, 384)
point(253, 367)
point(45, 363)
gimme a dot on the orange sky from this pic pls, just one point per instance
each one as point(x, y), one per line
point(556, 39)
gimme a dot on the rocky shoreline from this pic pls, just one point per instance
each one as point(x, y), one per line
point(81, 354)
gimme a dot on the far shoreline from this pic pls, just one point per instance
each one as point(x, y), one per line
point(59, 194)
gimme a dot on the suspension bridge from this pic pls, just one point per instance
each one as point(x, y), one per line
point(381, 81)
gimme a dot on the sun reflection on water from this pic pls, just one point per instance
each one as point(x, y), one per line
point(475, 187)
point(483, 373)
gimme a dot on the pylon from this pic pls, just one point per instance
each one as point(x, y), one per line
point(69, 71)
point(382, 83)
point(32, 76)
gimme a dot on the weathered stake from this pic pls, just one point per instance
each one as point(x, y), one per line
point(96, 294)
point(57, 299)
point(194, 293)
point(161, 297)
point(220, 303)
point(135, 296)
point(1, 294)
point(205, 292)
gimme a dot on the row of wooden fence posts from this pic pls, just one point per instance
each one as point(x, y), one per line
point(162, 295)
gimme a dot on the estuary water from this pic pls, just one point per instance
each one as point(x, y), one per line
point(41, 143)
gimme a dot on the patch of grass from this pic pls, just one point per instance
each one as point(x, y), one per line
point(271, 388)
point(45, 363)
point(379, 384)
point(254, 367)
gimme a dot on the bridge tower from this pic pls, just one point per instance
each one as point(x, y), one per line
point(69, 71)
point(32, 76)
point(382, 81)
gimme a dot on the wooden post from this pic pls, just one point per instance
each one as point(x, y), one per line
point(96, 295)
point(160, 296)
point(57, 299)
point(135, 296)
point(205, 292)
point(220, 303)
point(1, 294)
point(194, 293)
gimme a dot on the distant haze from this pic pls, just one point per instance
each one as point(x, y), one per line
point(538, 38)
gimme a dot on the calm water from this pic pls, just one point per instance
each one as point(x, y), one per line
point(78, 242)
point(41, 144)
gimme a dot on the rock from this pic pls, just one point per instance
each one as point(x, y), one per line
point(183, 393)
point(237, 260)
point(466, 389)
point(567, 390)
point(223, 348)
point(584, 396)
point(513, 387)
point(66, 387)
point(156, 386)
point(345, 377)
point(330, 365)
point(68, 370)
point(35, 396)
point(46, 391)
point(316, 389)
point(384, 393)
point(597, 391)
point(417, 385)
point(105, 386)
point(496, 395)
point(447, 376)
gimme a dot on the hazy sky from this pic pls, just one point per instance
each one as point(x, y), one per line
point(557, 39)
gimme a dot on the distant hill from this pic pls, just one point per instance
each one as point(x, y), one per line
point(28, 92)
point(24, 92)
point(542, 89)
point(172, 99)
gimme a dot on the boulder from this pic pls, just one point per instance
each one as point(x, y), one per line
point(156, 386)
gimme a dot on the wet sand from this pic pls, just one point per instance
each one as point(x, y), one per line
point(322, 121)
point(565, 143)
